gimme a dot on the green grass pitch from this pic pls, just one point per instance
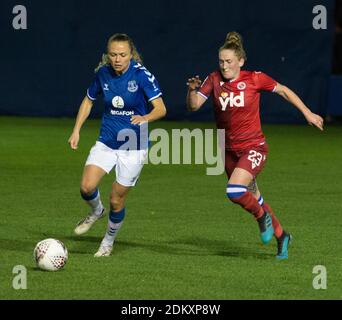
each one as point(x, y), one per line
point(182, 238)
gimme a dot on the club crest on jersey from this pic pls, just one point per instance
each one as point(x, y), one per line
point(241, 86)
point(132, 86)
point(232, 100)
point(118, 102)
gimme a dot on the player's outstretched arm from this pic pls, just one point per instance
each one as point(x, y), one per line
point(193, 100)
point(82, 115)
point(158, 112)
point(289, 95)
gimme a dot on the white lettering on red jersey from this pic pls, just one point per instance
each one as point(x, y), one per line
point(237, 106)
point(232, 100)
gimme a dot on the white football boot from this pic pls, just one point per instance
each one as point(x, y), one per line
point(105, 250)
point(85, 224)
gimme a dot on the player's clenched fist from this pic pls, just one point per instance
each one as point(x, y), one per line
point(194, 83)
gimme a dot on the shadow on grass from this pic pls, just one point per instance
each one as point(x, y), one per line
point(17, 245)
point(192, 246)
point(196, 246)
point(36, 269)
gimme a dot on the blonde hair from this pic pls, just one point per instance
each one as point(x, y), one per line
point(234, 42)
point(119, 37)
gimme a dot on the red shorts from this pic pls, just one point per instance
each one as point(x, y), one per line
point(251, 159)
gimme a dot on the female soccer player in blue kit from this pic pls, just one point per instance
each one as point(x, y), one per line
point(127, 87)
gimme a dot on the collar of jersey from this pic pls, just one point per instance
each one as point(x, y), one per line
point(122, 75)
point(230, 81)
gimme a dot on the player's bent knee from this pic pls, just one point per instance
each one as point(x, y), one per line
point(117, 203)
point(87, 189)
point(235, 192)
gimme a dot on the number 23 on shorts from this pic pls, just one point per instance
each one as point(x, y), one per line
point(256, 158)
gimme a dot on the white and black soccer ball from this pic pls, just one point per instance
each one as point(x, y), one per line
point(50, 254)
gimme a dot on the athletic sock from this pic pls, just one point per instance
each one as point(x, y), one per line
point(239, 194)
point(278, 230)
point(115, 221)
point(94, 201)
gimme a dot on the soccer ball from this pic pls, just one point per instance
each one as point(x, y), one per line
point(50, 254)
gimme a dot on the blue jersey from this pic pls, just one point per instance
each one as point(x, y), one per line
point(124, 96)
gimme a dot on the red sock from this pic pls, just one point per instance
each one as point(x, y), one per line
point(249, 203)
point(278, 230)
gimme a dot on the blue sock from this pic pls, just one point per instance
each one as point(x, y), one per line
point(115, 221)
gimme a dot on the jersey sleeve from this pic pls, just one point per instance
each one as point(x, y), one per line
point(206, 87)
point(94, 89)
point(149, 85)
point(264, 82)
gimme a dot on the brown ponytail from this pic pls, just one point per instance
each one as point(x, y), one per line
point(234, 42)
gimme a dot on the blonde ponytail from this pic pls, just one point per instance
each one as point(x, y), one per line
point(103, 62)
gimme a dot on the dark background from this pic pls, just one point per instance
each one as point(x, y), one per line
point(46, 69)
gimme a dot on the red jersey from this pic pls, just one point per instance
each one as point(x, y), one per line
point(236, 106)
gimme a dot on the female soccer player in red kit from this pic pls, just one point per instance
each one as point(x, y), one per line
point(236, 96)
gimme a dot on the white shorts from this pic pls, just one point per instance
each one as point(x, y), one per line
point(128, 163)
